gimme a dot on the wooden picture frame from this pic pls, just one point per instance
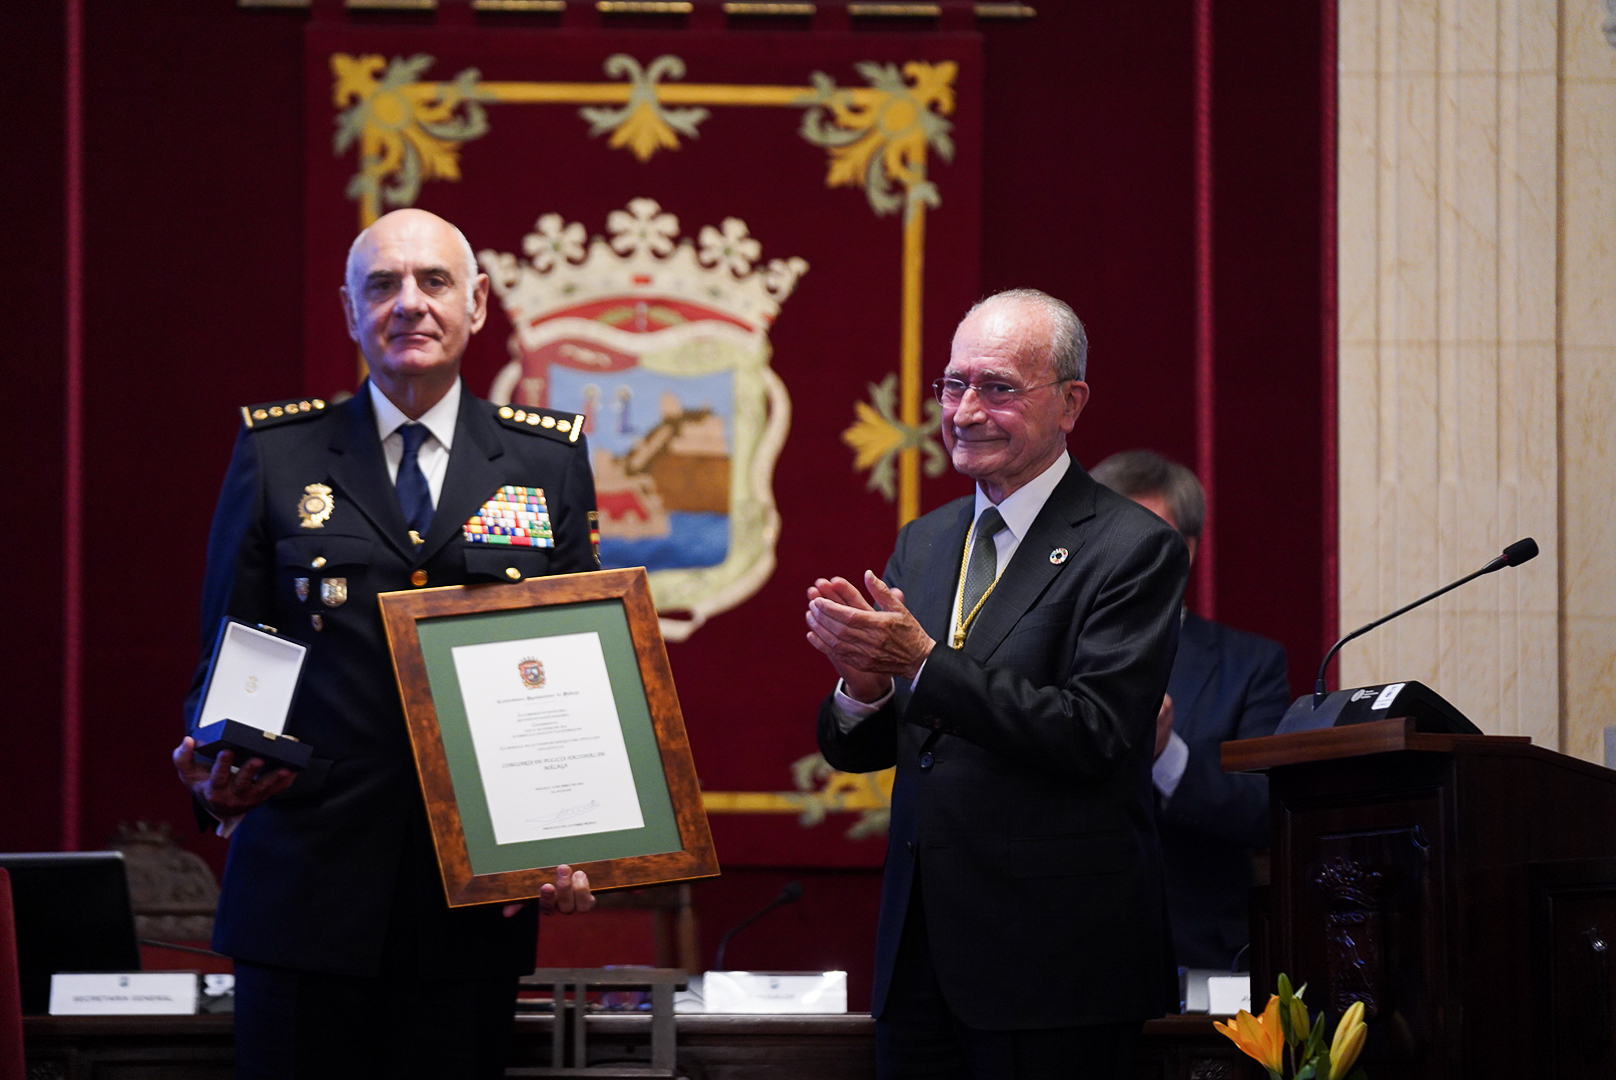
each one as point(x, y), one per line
point(428, 628)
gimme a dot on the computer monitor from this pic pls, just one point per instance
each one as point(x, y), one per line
point(73, 914)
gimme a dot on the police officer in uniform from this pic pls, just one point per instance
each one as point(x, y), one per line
point(348, 960)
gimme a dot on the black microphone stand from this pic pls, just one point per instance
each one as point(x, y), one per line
point(1518, 552)
point(790, 894)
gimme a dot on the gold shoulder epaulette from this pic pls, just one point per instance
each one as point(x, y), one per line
point(279, 412)
point(561, 426)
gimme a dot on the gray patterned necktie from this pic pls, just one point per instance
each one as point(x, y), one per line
point(981, 570)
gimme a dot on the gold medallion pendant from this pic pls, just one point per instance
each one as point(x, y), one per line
point(315, 506)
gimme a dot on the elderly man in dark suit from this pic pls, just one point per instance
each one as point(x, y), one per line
point(1226, 684)
point(1010, 664)
point(348, 960)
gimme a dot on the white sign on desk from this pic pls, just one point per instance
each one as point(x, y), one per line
point(775, 991)
point(129, 993)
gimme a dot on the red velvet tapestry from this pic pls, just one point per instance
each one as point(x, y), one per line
point(740, 258)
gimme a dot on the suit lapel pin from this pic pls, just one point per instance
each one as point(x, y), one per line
point(1059, 555)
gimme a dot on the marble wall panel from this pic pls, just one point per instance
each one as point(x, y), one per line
point(1449, 340)
point(1587, 332)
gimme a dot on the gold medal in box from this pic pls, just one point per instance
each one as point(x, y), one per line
point(252, 682)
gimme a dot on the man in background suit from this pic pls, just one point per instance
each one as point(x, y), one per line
point(1226, 684)
point(1010, 665)
point(348, 960)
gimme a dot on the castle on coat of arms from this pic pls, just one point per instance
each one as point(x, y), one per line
point(661, 342)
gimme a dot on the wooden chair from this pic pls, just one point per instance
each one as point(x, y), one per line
point(569, 1038)
point(655, 925)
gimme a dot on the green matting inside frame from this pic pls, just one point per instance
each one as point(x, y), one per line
point(441, 634)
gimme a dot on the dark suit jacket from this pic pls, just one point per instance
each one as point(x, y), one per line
point(1226, 684)
point(1031, 831)
point(338, 875)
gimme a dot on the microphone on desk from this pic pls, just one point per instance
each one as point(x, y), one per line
point(1425, 706)
point(1520, 551)
point(790, 894)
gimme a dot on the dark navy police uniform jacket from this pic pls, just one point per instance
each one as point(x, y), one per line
point(338, 873)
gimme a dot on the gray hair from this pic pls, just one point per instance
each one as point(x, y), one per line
point(1068, 341)
point(468, 264)
point(1144, 472)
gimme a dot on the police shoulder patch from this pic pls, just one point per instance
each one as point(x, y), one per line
point(271, 413)
point(561, 426)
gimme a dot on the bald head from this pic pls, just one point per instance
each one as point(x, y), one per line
point(398, 221)
point(413, 299)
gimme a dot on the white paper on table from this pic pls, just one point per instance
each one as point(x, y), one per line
point(551, 756)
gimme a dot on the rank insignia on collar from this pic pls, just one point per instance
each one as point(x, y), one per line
point(1059, 555)
point(315, 506)
point(301, 587)
point(333, 591)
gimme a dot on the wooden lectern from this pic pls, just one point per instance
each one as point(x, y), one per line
point(1462, 886)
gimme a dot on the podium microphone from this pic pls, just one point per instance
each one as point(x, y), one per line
point(788, 895)
point(1518, 552)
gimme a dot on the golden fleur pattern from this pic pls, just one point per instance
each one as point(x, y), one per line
point(407, 131)
point(878, 136)
point(877, 437)
point(822, 790)
point(644, 125)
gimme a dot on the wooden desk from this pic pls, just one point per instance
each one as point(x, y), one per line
point(711, 1046)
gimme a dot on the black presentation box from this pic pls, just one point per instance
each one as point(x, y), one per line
point(252, 682)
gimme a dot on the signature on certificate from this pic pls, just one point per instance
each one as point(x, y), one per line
point(564, 814)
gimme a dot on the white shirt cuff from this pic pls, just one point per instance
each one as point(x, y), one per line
point(1169, 768)
point(850, 711)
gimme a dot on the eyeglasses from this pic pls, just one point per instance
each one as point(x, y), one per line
point(994, 395)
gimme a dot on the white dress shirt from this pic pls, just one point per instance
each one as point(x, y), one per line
point(433, 456)
point(1019, 509)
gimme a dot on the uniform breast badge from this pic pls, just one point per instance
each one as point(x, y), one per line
point(301, 587)
point(315, 506)
point(333, 591)
point(516, 516)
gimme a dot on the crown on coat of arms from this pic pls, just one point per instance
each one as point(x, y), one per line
point(644, 257)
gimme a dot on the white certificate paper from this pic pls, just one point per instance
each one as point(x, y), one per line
point(549, 745)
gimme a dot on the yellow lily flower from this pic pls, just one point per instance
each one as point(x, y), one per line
point(1262, 1039)
point(1349, 1039)
point(1300, 1025)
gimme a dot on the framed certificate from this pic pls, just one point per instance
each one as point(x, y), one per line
point(547, 730)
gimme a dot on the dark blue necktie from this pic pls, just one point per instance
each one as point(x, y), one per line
point(414, 497)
